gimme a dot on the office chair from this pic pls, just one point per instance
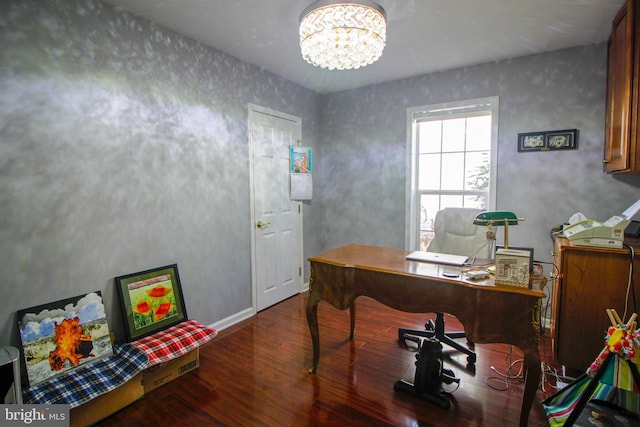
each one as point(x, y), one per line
point(456, 234)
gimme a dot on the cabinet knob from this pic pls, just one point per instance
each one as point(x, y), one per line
point(605, 161)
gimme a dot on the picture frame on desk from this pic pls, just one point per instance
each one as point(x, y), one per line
point(151, 301)
point(530, 250)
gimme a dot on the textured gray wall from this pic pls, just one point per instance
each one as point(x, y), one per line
point(123, 147)
point(360, 185)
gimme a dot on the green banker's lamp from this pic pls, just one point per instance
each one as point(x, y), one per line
point(492, 219)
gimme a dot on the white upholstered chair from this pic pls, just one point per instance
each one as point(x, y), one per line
point(456, 234)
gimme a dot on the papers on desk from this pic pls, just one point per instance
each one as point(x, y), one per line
point(446, 272)
point(437, 258)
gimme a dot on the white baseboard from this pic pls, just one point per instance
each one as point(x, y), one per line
point(242, 315)
point(233, 319)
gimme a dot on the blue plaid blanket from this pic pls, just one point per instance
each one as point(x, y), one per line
point(88, 381)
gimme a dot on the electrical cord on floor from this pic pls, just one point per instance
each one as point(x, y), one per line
point(559, 382)
point(550, 375)
point(515, 368)
point(508, 376)
point(515, 372)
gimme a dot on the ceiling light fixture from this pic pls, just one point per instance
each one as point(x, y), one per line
point(342, 35)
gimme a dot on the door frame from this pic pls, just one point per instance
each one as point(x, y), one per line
point(254, 108)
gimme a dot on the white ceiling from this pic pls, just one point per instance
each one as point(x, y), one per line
point(423, 36)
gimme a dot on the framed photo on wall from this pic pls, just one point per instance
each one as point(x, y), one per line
point(561, 139)
point(151, 301)
point(566, 139)
point(532, 141)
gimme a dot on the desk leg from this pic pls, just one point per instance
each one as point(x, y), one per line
point(532, 366)
point(352, 314)
point(312, 320)
point(533, 371)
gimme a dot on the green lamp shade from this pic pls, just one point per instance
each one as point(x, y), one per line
point(496, 218)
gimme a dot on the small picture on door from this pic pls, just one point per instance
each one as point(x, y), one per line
point(300, 159)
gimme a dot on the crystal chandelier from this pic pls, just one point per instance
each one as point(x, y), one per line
point(342, 35)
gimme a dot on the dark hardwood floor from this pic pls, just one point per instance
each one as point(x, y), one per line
point(255, 373)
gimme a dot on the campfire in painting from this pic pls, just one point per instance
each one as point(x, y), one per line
point(71, 344)
point(63, 335)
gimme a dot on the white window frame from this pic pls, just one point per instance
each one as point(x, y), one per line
point(456, 108)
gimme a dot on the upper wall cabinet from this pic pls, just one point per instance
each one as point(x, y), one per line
point(622, 144)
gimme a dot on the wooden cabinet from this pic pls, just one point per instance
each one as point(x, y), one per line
point(588, 281)
point(622, 148)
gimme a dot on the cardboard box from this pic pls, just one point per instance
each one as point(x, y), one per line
point(107, 404)
point(159, 375)
point(512, 267)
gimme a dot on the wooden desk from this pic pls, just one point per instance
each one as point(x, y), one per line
point(488, 312)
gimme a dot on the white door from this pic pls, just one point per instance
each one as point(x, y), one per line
point(276, 243)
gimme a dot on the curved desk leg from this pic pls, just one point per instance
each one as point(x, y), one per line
point(532, 379)
point(533, 370)
point(312, 320)
point(352, 313)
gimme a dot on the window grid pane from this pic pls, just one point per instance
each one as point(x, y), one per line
point(453, 135)
point(429, 176)
point(453, 167)
point(430, 137)
point(479, 133)
point(477, 170)
point(452, 173)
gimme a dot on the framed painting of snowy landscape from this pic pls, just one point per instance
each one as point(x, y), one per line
point(62, 335)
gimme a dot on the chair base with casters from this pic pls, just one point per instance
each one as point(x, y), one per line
point(436, 330)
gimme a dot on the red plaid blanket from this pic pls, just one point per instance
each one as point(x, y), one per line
point(175, 341)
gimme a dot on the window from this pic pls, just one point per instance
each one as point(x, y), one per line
point(451, 162)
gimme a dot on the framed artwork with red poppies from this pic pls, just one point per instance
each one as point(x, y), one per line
point(151, 301)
